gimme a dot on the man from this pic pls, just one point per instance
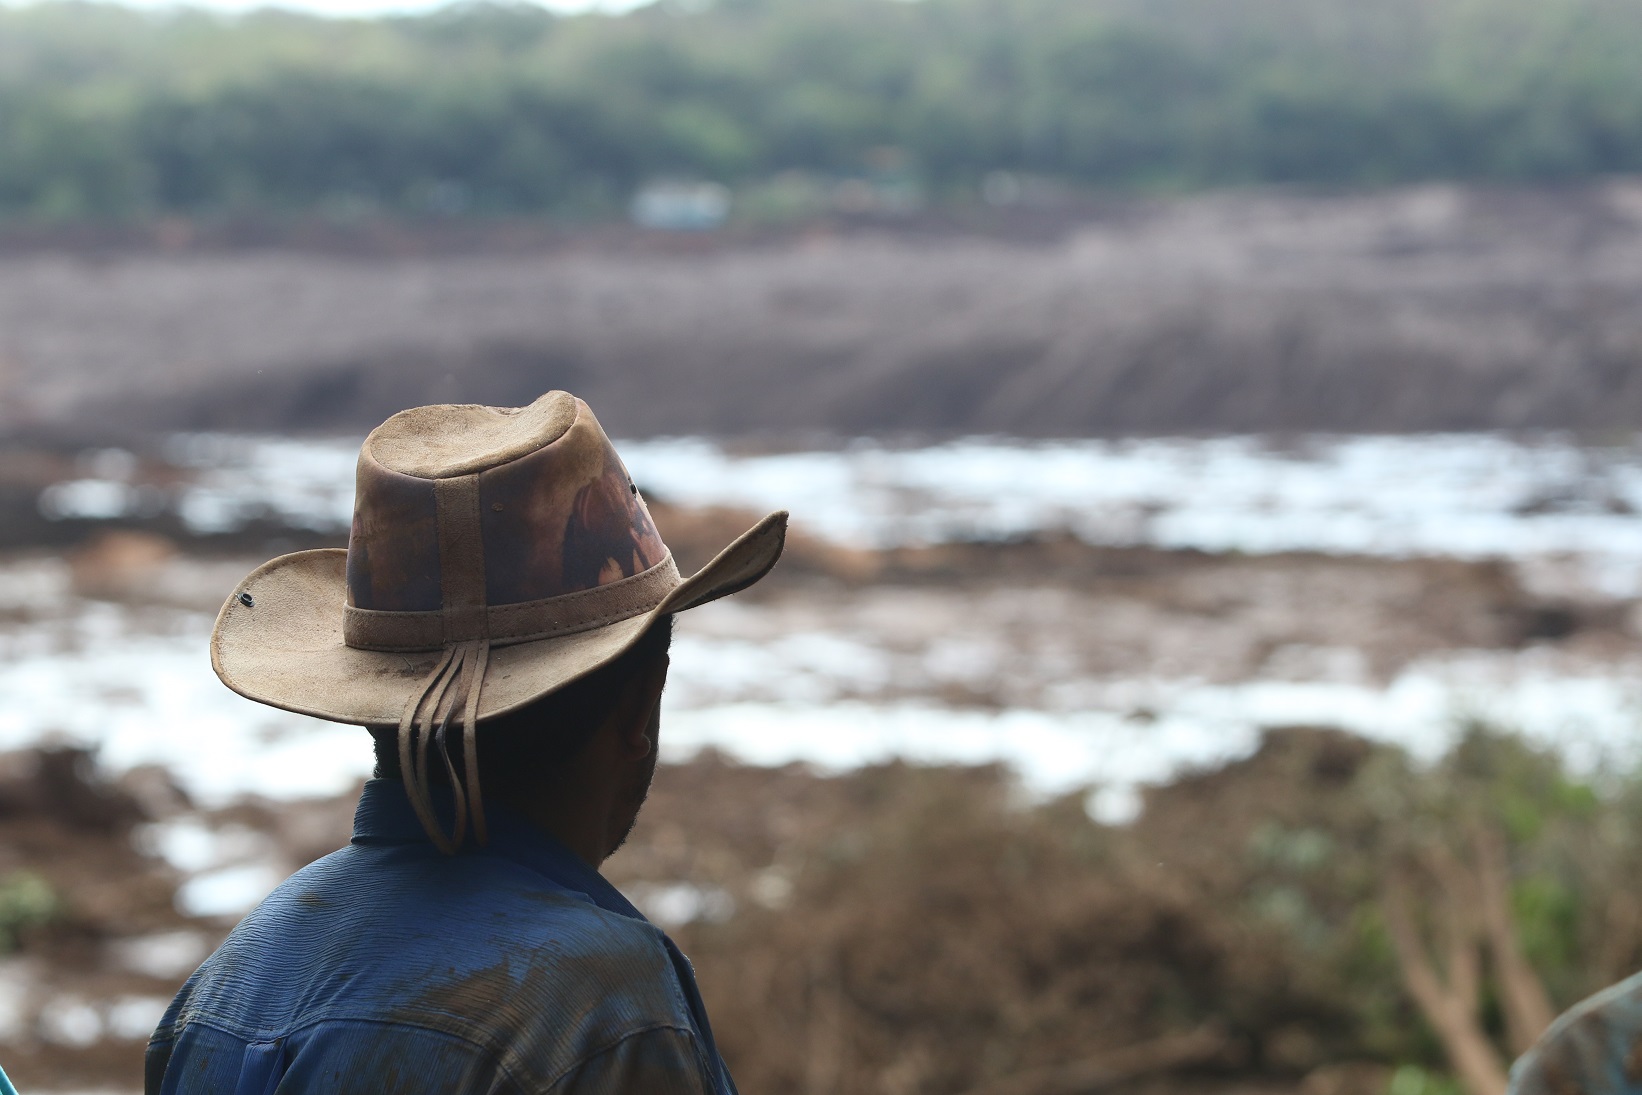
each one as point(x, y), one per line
point(500, 623)
point(1594, 1048)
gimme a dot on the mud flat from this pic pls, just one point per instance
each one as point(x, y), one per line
point(938, 808)
point(1560, 510)
point(810, 839)
point(924, 610)
point(1425, 309)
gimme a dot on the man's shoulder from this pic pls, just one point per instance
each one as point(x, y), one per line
point(1595, 1048)
point(480, 917)
point(477, 898)
point(471, 947)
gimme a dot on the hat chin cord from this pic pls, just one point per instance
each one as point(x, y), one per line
point(453, 685)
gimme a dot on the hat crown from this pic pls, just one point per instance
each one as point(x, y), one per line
point(462, 511)
point(444, 441)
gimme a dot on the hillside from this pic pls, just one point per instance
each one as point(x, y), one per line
point(1422, 309)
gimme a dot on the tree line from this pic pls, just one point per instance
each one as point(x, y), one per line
point(501, 108)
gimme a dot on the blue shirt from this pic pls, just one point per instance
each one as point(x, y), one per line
point(389, 967)
point(1594, 1048)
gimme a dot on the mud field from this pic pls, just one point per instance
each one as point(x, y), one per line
point(840, 909)
point(1431, 308)
point(1080, 765)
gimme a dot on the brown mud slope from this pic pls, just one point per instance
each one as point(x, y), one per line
point(1434, 308)
point(921, 930)
point(903, 929)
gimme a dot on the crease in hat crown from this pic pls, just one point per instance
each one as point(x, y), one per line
point(459, 439)
point(508, 524)
point(496, 555)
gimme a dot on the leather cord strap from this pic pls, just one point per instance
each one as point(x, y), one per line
point(450, 692)
point(464, 628)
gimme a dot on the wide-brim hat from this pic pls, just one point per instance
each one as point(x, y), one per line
point(497, 554)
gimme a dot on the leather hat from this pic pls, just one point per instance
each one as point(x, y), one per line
point(496, 554)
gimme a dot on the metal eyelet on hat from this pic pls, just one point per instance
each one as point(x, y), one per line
point(246, 600)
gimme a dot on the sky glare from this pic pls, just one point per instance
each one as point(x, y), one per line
point(346, 8)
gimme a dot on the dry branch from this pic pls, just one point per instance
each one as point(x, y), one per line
point(824, 1058)
point(1527, 1007)
point(1450, 1002)
point(1206, 1043)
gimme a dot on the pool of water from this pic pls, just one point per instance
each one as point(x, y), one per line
point(136, 682)
point(1530, 499)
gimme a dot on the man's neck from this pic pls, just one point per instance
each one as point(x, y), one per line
point(575, 820)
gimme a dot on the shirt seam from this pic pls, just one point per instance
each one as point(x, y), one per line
point(487, 1051)
point(689, 1034)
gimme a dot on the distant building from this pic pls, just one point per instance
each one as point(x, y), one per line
point(681, 206)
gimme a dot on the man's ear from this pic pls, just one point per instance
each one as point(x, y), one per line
point(640, 712)
point(636, 742)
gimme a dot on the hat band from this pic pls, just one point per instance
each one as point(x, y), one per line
point(405, 632)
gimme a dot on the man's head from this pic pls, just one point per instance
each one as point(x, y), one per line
point(499, 555)
point(578, 761)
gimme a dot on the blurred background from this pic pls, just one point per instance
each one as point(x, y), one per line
point(1207, 656)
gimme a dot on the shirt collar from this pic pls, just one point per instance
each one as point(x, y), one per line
point(385, 816)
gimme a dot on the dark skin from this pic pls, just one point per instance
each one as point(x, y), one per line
point(590, 803)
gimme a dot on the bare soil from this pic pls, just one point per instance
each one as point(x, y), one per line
point(856, 944)
point(1431, 308)
point(897, 929)
point(1036, 610)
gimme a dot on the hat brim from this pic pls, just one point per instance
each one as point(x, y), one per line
point(282, 644)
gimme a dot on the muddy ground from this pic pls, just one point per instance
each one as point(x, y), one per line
point(1430, 308)
point(896, 929)
point(841, 922)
